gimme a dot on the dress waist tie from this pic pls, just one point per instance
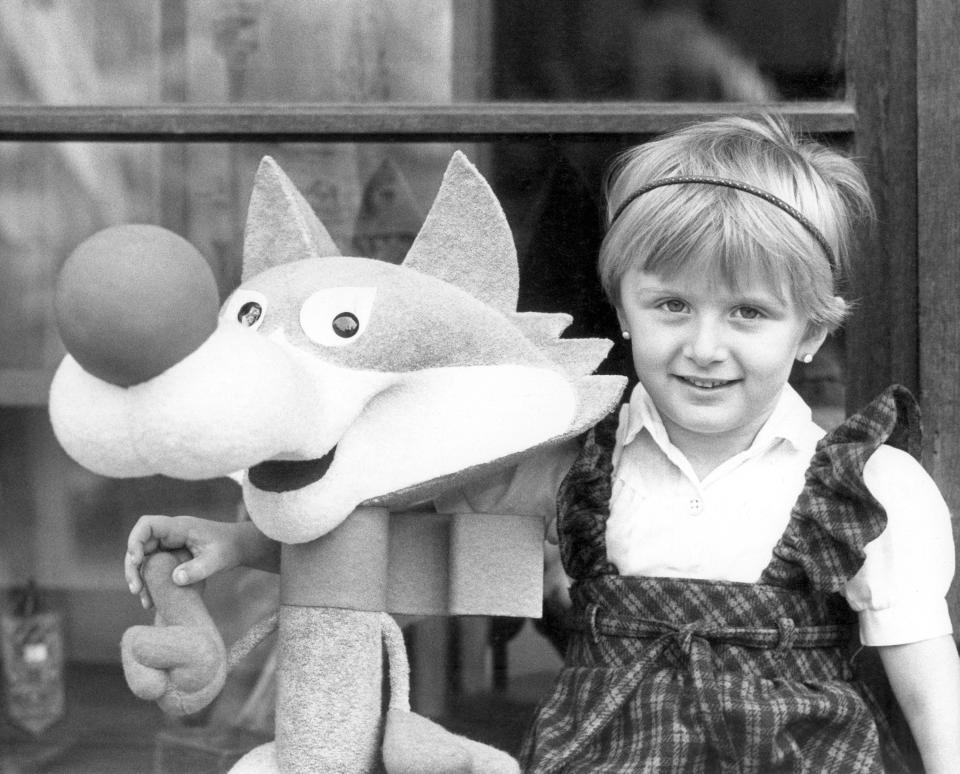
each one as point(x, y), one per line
point(694, 642)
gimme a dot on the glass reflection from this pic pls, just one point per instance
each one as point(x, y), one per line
point(418, 51)
point(670, 50)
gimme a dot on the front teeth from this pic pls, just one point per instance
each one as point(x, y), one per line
point(704, 383)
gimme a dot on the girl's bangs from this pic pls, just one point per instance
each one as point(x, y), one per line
point(732, 239)
point(707, 242)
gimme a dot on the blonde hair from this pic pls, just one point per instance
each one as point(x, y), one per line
point(730, 233)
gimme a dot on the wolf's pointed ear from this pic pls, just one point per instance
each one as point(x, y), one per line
point(281, 226)
point(466, 240)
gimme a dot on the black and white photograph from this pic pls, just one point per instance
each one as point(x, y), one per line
point(479, 387)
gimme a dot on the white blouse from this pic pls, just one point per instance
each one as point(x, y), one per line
point(665, 521)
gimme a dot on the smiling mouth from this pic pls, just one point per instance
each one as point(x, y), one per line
point(706, 384)
point(288, 475)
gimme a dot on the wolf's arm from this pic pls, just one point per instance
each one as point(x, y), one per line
point(181, 661)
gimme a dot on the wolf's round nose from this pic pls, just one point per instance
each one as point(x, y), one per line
point(133, 300)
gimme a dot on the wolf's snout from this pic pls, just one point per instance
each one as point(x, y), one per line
point(134, 300)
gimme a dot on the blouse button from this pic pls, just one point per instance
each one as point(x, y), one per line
point(696, 505)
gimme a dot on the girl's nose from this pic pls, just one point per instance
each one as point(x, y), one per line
point(705, 344)
point(134, 300)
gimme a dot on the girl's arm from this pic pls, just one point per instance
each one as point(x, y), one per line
point(925, 677)
point(900, 594)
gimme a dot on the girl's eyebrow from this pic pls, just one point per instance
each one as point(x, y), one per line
point(755, 299)
point(650, 294)
point(657, 287)
point(761, 298)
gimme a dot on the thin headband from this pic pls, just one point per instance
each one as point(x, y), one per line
point(746, 187)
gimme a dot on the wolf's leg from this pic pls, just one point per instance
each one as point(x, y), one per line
point(413, 744)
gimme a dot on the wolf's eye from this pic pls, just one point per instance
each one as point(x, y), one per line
point(249, 314)
point(337, 317)
point(346, 324)
point(246, 307)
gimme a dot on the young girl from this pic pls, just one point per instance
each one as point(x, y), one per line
point(722, 549)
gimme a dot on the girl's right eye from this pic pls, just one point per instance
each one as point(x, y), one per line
point(673, 305)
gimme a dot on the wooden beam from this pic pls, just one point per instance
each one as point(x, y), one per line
point(881, 337)
point(375, 123)
point(938, 160)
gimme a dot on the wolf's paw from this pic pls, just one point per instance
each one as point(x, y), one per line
point(181, 662)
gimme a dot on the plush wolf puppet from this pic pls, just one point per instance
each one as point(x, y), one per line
point(347, 390)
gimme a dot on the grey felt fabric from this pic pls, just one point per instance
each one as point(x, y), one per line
point(284, 227)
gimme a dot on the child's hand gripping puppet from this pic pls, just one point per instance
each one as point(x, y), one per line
point(347, 390)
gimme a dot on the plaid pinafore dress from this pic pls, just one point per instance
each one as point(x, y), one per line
point(685, 676)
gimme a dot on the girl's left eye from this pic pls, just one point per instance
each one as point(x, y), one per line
point(749, 313)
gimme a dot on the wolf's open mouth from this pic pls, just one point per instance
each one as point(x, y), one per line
point(287, 475)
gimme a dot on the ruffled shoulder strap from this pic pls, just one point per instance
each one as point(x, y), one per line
point(836, 516)
point(583, 504)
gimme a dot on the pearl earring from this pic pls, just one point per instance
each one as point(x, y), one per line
point(807, 358)
point(626, 335)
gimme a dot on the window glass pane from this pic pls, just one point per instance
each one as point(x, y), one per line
point(52, 196)
point(372, 198)
point(424, 51)
point(670, 50)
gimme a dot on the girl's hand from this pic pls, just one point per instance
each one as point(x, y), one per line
point(214, 546)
